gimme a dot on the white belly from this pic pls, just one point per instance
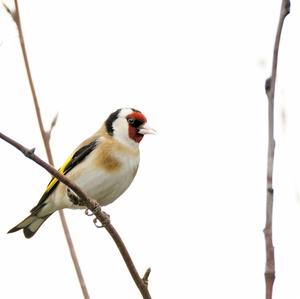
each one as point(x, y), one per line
point(101, 185)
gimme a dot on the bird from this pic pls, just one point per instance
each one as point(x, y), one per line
point(103, 166)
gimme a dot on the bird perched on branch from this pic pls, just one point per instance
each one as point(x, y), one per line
point(103, 166)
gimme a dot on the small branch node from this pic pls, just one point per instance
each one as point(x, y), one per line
point(145, 278)
point(29, 152)
point(267, 231)
point(47, 135)
point(268, 85)
point(287, 7)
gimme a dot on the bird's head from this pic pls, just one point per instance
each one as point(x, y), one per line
point(128, 126)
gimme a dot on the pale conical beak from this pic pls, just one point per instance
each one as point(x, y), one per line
point(145, 129)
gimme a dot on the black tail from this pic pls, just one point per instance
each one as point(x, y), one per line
point(30, 225)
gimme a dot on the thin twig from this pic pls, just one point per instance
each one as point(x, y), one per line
point(46, 138)
point(52, 125)
point(146, 276)
point(270, 91)
point(96, 209)
point(11, 12)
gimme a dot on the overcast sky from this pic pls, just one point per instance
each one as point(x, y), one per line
point(196, 210)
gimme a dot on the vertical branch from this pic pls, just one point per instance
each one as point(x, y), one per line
point(46, 140)
point(270, 91)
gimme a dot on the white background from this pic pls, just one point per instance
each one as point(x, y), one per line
point(196, 210)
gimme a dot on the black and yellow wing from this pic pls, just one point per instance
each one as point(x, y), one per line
point(76, 158)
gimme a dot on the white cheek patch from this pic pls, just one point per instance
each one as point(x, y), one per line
point(120, 126)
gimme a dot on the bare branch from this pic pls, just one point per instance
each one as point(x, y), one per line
point(270, 91)
point(32, 88)
point(46, 138)
point(141, 283)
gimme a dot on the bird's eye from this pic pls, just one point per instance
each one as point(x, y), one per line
point(130, 121)
point(134, 122)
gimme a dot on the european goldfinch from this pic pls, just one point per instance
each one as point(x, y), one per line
point(103, 166)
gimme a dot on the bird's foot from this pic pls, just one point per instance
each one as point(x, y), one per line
point(88, 212)
point(104, 222)
point(75, 199)
point(96, 223)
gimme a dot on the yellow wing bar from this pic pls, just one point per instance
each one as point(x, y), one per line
point(62, 169)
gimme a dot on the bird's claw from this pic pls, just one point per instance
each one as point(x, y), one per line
point(104, 222)
point(96, 223)
point(88, 213)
